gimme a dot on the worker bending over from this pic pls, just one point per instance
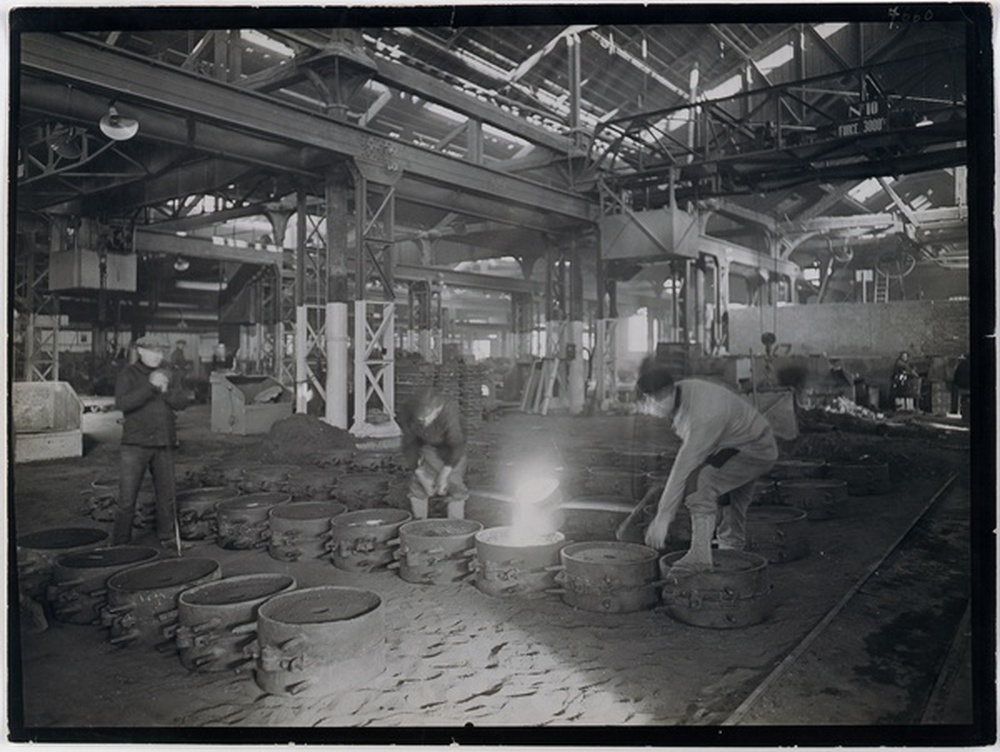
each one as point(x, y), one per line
point(726, 446)
point(434, 445)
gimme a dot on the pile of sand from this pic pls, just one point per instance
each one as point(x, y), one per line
point(303, 439)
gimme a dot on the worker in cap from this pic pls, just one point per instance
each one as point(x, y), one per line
point(726, 446)
point(178, 359)
point(434, 446)
point(147, 395)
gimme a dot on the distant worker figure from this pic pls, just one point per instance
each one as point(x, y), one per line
point(727, 445)
point(905, 383)
point(960, 384)
point(178, 360)
point(148, 397)
point(434, 446)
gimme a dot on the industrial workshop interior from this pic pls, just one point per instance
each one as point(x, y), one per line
point(502, 374)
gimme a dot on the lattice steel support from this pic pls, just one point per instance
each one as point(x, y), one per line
point(36, 327)
point(425, 319)
point(310, 307)
point(374, 367)
point(606, 362)
point(375, 176)
point(523, 315)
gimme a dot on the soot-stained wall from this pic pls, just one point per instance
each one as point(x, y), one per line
point(939, 327)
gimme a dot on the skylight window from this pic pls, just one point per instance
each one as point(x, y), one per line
point(776, 59)
point(866, 189)
point(727, 88)
point(827, 30)
point(262, 40)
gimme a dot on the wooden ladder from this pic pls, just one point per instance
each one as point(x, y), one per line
point(881, 293)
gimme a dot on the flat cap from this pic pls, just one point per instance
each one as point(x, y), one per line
point(152, 342)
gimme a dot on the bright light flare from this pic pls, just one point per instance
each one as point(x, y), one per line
point(534, 489)
point(532, 518)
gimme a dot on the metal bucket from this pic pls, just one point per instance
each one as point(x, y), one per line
point(609, 577)
point(101, 502)
point(217, 620)
point(196, 511)
point(37, 552)
point(738, 593)
point(301, 530)
point(306, 485)
point(777, 533)
point(862, 478)
point(614, 481)
point(818, 497)
point(510, 563)
point(589, 518)
point(363, 490)
point(79, 580)
point(364, 541)
point(436, 552)
point(317, 640)
point(242, 521)
point(142, 600)
point(260, 478)
point(797, 468)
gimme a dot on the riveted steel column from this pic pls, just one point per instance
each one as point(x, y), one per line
point(337, 386)
point(375, 177)
point(576, 376)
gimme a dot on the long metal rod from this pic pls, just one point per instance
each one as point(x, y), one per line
point(823, 623)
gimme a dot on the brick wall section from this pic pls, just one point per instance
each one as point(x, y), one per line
point(924, 327)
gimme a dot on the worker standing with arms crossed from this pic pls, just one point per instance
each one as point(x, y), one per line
point(148, 397)
point(726, 446)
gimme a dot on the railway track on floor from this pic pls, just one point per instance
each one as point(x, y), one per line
point(893, 632)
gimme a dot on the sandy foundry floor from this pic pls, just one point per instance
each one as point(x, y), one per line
point(457, 656)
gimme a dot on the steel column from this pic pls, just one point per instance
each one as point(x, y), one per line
point(375, 177)
point(337, 345)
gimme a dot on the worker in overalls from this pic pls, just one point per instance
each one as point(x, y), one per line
point(727, 445)
point(434, 446)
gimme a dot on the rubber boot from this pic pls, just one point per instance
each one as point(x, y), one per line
point(456, 510)
point(699, 555)
point(418, 507)
point(731, 534)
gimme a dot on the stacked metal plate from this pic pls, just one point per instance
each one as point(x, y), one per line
point(471, 399)
point(412, 375)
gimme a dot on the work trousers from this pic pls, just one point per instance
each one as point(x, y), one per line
point(132, 468)
point(431, 463)
point(732, 474)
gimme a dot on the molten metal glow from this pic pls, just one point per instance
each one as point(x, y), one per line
point(532, 519)
point(534, 489)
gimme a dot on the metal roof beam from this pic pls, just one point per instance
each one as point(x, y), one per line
point(144, 80)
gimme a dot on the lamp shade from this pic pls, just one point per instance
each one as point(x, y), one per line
point(118, 127)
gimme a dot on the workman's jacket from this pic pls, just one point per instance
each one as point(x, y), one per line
point(149, 413)
point(444, 433)
point(708, 417)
